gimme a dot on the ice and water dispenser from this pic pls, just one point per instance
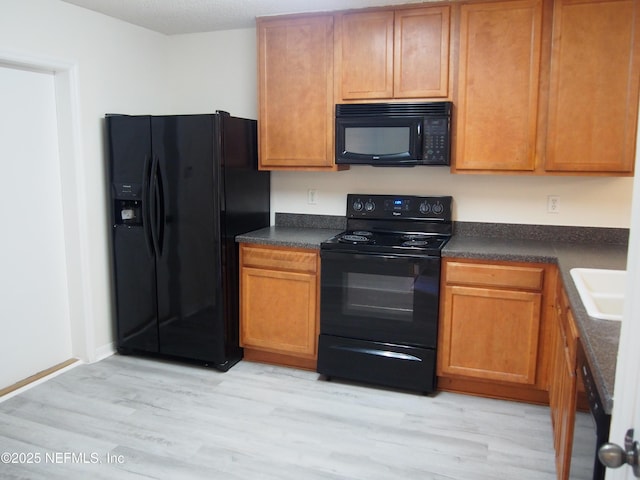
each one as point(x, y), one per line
point(127, 208)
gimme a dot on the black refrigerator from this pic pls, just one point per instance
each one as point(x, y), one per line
point(182, 188)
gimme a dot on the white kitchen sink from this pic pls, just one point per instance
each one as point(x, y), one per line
point(601, 291)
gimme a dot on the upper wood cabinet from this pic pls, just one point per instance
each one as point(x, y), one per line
point(421, 53)
point(385, 54)
point(498, 86)
point(594, 84)
point(539, 86)
point(547, 87)
point(364, 56)
point(296, 100)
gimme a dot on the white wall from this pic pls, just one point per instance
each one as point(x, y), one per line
point(218, 70)
point(118, 68)
point(214, 71)
point(584, 201)
point(35, 332)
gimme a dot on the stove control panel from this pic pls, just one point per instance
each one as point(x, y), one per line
point(436, 208)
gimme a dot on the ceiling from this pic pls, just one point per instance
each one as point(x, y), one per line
point(173, 17)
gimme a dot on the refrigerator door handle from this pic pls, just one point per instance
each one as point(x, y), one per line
point(153, 205)
point(146, 213)
point(161, 216)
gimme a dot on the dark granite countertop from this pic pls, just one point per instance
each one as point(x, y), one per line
point(296, 230)
point(298, 237)
point(599, 337)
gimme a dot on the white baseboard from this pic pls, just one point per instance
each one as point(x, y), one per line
point(104, 351)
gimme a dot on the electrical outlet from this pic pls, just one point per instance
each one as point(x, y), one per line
point(553, 204)
point(312, 196)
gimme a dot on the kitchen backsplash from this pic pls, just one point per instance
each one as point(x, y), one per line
point(302, 220)
point(558, 233)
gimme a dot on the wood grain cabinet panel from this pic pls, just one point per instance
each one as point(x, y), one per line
point(366, 55)
point(594, 86)
point(494, 336)
point(385, 54)
point(491, 334)
point(294, 260)
point(279, 304)
point(498, 84)
point(421, 52)
point(277, 321)
point(296, 100)
point(563, 391)
point(508, 276)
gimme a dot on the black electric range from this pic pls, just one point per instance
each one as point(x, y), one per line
point(380, 287)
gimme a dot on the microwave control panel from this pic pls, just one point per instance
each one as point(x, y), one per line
point(435, 146)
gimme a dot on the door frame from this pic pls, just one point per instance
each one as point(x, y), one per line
point(626, 406)
point(75, 212)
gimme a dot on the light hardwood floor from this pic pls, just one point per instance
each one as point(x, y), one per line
point(162, 420)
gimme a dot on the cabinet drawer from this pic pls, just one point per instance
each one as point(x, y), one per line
point(297, 260)
point(530, 278)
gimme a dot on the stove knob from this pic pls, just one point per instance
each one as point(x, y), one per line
point(357, 205)
point(425, 207)
point(438, 208)
point(369, 206)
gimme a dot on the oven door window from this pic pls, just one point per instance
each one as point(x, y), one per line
point(387, 297)
point(384, 298)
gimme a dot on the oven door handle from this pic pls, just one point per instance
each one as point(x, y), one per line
point(379, 353)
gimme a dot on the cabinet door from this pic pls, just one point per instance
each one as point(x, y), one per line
point(421, 53)
point(563, 428)
point(490, 334)
point(594, 86)
point(556, 385)
point(295, 58)
point(497, 94)
point(563, 388)
point(566, 420)
point(278, 311)
point(366, 55)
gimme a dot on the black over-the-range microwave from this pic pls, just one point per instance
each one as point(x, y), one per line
point(393, 134)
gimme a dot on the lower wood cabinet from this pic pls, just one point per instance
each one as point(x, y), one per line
point(493, 326)
point(279, 307)
point(563, 391)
